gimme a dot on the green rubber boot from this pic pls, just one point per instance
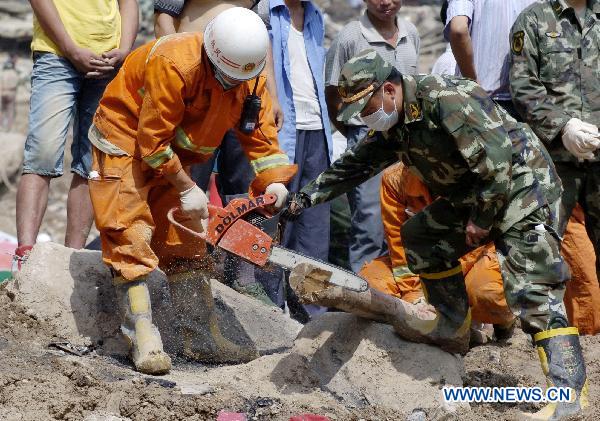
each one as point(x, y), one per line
point(254, 290)
point(562, 363)
point(446, 292)
point(202, 339)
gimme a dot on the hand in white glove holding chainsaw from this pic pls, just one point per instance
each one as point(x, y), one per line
point(280, 191)
point(194, 203)
point(580, 138)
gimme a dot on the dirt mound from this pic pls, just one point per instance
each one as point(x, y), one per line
point(340, 357)
point(37, 383)
point(72, 292)
point(339, 366)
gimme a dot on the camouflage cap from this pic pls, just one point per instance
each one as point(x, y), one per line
point(359, 78)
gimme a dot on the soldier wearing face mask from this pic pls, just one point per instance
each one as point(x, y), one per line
point(397, 41)
point(493, 180)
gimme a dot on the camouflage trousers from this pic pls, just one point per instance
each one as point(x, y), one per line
point(581, 183)
point(533, 271)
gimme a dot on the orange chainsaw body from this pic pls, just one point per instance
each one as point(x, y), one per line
point(249, 236)
point(228, 230)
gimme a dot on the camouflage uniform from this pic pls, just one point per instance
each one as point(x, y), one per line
point(555, 76)
point(484, 166)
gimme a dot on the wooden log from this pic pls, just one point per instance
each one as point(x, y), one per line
point(414, 322)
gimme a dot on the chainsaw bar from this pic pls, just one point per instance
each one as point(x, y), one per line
point(289, 259)
point(243, 229)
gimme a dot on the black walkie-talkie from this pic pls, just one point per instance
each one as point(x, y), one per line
point(250, 111)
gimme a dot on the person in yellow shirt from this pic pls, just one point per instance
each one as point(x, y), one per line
point(76, 46)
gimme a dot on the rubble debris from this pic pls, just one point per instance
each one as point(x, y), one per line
point(69, 348)
point(340, 357)
point(72, 291)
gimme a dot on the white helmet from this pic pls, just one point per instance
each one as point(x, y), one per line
point(236, 42)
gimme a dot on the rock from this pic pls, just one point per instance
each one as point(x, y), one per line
point(357, 362)
point(11, 157)
point(146, 28)
point(16, 21)
point(266, 326)
point(15, 7)
point(494, 355)
point(72, 290)
point(417, 415)
point(15, 28)
point(337, 358)
point(195, 388)
point(372, 365)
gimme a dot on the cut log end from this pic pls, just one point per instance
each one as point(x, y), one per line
point(415, 322)
point(308, 280)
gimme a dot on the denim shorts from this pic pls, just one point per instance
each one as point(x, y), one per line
point(59, 94)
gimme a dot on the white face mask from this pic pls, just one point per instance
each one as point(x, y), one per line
point(380, 121)
point(227, 85)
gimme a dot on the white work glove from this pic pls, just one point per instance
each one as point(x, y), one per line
point(280, 191)
point(580, 138)
point(194, 203)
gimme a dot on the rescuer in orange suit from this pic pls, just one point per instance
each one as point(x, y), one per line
point(404, 194)
point(582, 297)
point(169, 107)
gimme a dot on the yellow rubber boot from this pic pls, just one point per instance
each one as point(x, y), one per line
point(446, 292)
point(146, 346)
point(563, 365)
point(202, 339)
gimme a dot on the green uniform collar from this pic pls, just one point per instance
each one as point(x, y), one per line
point(560, 6)
point(412, 106)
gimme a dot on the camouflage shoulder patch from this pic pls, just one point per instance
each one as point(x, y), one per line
point(517, 42)
point(415, 110)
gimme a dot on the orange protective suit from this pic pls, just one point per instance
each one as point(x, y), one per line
point(164, 111)
point(404, 194)
point(582, 297)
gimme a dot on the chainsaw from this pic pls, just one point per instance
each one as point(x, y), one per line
point(246, 229)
